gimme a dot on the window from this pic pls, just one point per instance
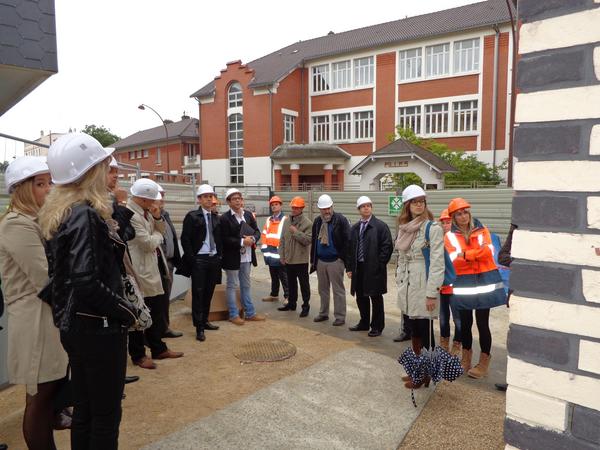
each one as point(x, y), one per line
point(158, 161)
point(145, 153)
point(236, 149)
point(410, 64)
point(437, 60)
point(464, 116)
point(363, 71)
point(342, 127)
point(321, 128)
point(289, 128)
point(436, 118)
point(191, 150)
point(234, 95)
point(340, 75)
point(410, 118)
point(138, 154)
point(363, 125)
point(466, 55)
point(131, 155)
point(320, 78)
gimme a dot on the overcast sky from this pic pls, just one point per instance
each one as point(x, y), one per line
point(115, 54)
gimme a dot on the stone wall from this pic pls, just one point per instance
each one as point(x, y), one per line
point(553, 399)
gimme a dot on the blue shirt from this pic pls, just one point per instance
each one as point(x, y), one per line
point(205, 249)
point(327, 253)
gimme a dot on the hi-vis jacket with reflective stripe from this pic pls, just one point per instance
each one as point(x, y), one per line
point(478, 283)
point(271, 235)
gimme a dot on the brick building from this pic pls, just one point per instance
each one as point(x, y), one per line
point(159, 159)
point(446, 75)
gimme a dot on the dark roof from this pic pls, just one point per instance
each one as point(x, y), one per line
point(275, 66)
point(308, 151)
point(185, 128)
point(402, 147)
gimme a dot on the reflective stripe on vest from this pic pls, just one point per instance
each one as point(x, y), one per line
point(454, 241)
point(477, 289)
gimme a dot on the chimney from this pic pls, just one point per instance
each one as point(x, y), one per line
point(185, 116)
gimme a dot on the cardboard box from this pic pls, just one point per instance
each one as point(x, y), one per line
point(218, 304)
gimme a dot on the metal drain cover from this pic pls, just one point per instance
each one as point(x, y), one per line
point(265, 350)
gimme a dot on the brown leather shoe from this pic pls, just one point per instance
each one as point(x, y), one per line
point(169, 354)
point(256, 318)
point(145, 363)
point(237, 321)
point(270, 298)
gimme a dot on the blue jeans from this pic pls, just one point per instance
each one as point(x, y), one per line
point(445, 306)
point(239, 278)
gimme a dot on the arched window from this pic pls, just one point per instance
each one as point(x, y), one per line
point(236, 148)
point(234, 95)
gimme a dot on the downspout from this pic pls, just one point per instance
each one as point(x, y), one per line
point(513, 96)
point(199, 144)
point(271, 130)
point(302, 104)
point(495, 94)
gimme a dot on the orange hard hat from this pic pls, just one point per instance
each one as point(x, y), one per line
point(275, 199)
point(444, 215)
point(297, 202)
point(456, 204)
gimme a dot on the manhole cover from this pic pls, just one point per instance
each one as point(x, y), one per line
point(265, 350)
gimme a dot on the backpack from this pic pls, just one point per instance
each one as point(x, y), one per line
point(449, 272)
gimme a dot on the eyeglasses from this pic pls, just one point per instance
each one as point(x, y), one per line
point(418, 202)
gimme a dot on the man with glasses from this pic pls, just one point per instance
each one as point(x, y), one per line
point(240, 234)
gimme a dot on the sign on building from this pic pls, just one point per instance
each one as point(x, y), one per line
point(394, 205)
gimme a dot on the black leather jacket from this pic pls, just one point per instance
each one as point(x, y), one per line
point(85, 266)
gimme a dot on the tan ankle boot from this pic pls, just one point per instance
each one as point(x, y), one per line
point(481, 369)
point(466, 359)
point(445, 343)
point(456, 348)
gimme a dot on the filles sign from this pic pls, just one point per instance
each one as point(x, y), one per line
point(395, 164)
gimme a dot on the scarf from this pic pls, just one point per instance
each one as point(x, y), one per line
point(324, 230)
point(408, 232)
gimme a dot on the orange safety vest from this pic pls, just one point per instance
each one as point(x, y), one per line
point(271, 236)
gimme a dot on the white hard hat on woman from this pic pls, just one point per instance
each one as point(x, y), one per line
point(23, 168)
point(411, 192)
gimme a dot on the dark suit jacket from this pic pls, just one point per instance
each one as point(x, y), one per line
point(230, 234)
point(176, 260)
point(193, 235)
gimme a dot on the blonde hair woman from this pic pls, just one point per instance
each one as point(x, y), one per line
point(35, 355)
point(85, 259)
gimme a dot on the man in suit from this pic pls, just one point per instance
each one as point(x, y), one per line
point(240, 234)
point(370, 250)
point(202, 250)
point(170, 250)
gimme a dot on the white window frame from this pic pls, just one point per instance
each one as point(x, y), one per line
point(412, 119)
point(364, 128)
point(235, 99)
point(410, 68)
point(438, 60)
point(469, 55)
point(341, 127)
point(364, 74)
point(289, 128)
point(238, 153)
point(341, 75)
point(320, 78)
point(131, 154)
point(355, 135)
point(466, 118)
point(145, 153)
point(320, 129)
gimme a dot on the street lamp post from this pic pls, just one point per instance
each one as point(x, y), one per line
point(143, 107)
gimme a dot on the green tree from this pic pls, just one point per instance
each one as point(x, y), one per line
point(470, 169)
point(102, 134)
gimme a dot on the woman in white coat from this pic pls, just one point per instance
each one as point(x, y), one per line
point(36, 357)
point(419, 291)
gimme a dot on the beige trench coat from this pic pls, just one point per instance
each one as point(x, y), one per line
point(413, 284)
point(143, 250)
point(294, 248)
point(35, 354)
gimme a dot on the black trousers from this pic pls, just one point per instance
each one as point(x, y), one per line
point(423, 329)
point(205, 275)
point(97, 379)
point(167, 282)
point(153, 335)
point(278, 274)
point(482, 316)
point(298, 273)
point(365, 302)
point(407, 324)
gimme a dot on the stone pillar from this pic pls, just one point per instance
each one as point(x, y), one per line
point(553, 343)
point(327, 176)
point(277, 176)
point(340, 177)
point(295, 171)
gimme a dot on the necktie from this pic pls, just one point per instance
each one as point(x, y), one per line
point(209, 236)
point(361, 250)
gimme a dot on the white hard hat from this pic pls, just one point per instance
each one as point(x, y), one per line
point(160, 189)
point(113, 163)
point(204, 189)
point(23, 168)
point(145, 188)
point(362, 200)
point(72, 155)
point(412, 191)
point(230, 192)
point(324, 201)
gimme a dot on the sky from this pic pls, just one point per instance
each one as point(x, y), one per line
point(116, 54)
